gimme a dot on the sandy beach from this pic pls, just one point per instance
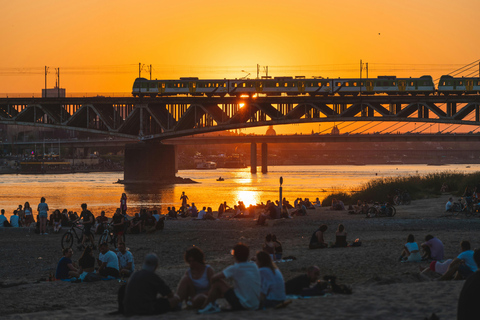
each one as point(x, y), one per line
point(383, 288)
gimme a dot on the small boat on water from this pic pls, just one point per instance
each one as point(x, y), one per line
point(206, 165)
point(220, 179)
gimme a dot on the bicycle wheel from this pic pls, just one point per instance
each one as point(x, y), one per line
point(468, 211)
point(396, 200)
point(456, 208)
point(407, 199)
point(67, 240)
point(372, 212)
point(392, 211)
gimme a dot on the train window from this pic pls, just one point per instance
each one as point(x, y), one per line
point(394, 84)
point(328, 84)
point(355, 83)
point(320, 84)
point(152, 85)
point(460, 83)
point(339, 84)
point(347, 84)
point(361, 83)
point(411, 84)
point(294, 84)
point(478, 83)
point(216, 85)
point(285, 84)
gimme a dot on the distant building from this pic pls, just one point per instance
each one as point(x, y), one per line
point(54, 93)
point(270, 131)
point(335, 130)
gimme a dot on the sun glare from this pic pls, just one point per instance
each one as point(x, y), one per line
point(248, 197)
point(242, 105)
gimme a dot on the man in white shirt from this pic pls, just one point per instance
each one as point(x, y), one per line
point(108, 262)
point(201, 214)
point(125, 260)
point(245, 294)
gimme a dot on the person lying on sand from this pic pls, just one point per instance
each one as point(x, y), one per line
point(245, 295)
point(306, 284)
point(463, 265)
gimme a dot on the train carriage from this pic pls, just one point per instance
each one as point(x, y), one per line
point(450, 85)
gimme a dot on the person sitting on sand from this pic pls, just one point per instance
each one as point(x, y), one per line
point(463, 265)
point(436, 267)
point(139, 296)
point(150, 222)
point(118, 221)
point(193, 211)
point(269, 246)
point(56, 217)
point(306, 284)
point(317, 241)
point(108, 262)
point(433, 248)
point(136, 224)
point(125, 260)
point(65, 268)
point(15, 219)
point(468, 306)
point(101, 223)
point(201, 214)
point(87, 260)
point(272, 292)
point(278, 248)
point(449, 205)
point(209, 214)
point(245, 294)
point(410, 251)
point(341, 236)
point(3, 219)
point(317, 203)
point(195, 283)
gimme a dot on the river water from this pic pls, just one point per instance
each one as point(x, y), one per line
point(100, 192)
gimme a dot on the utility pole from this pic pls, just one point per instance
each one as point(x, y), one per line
point(258, 70)
point(367, 69)
point(46, 71)
point(150, 72)
point(361, 67)
point(57, 70)
point(139, 69)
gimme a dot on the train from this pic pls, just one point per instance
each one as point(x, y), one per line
point(278, 86)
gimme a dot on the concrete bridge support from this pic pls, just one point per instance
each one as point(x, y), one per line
point(149, 162)
point(264, 158)
point(253, 157)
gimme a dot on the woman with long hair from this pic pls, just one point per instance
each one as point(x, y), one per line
point(43, 215)
point(28, 214)
point(195, 284)
point(272, 289)
point(123, 203)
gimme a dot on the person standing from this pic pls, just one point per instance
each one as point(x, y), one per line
point(468, 306)
point(43, 215)
point(28, 214)
point(21, 215)
point(184, 199)
point(123, 203)
point(88, 220)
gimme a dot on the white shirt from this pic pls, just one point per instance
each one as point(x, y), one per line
point(110, 258)
point(156, 216)
point(411, 246)
point(448, 205)
point(201, 215)
point(273, 286)
point(124, 259)
point(246, 283)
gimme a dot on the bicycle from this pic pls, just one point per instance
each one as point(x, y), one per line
point(402, 198)
point(381, 210)
point(68, 237)
point(109, 237)
point(462, 206)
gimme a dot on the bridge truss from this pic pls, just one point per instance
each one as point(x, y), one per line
point(163, 118)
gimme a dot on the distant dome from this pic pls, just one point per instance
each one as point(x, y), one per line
point(270, 131)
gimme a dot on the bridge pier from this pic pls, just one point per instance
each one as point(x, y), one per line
point(264, 158)
point(253, 157)
point(149, 162)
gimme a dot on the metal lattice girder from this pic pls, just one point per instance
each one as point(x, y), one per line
point(323, 108)
point(433, 107)
point(216, 113)
point(31, 114)
point(244, 114)
point(160, 113)
point(55, 112)
point(7, 111)
point(190, 118)
point(465, 111)
point(407, 111)
point(299, 111)
point(354, 110)
point(380, 109)
point(131, 125)
point(105, 113)
point(269, 110)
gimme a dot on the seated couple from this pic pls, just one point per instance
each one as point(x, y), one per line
point(317, 240)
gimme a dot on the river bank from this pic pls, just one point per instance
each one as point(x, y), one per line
point(382, 286)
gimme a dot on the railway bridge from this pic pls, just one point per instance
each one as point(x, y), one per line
point(152, 120)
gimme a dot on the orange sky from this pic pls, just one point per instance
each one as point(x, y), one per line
point(98, 44)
